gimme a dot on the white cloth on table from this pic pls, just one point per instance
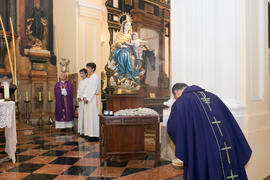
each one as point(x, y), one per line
point(8, 121)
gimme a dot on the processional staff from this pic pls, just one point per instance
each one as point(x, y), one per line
point(15, 60)
point(9, 57)
point(13, 72)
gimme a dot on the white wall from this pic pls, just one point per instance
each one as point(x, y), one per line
point(257, 97)
point(206, 48)
point(93, 35)
point(65, 31)
point(81, 33)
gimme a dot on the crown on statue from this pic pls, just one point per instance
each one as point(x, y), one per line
point(124, 17)
point(36, 1)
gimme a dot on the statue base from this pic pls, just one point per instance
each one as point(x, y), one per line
point(125, 91)
point(39, 59)
point(117, 102)
point(37, 52)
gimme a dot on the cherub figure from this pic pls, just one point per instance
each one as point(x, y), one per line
point(64, 65)
point(138, 44)
point(111, 64)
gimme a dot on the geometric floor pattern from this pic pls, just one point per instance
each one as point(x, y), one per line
point(48, 154)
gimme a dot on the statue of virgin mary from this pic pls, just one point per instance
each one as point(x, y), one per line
point(123, 54)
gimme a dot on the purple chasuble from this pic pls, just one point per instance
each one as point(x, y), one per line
point(63, 104)
point(207, 138)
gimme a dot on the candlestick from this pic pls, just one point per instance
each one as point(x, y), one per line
point(50, 121)
point(50, 98)
point(39, 96)
point(40, 101)
point(27, 108)
point(26, 96)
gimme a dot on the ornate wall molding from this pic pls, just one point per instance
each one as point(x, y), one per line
point(257, 64)
point(94, 42)
point(237, 109)
point(86, 4)
point(88, 9)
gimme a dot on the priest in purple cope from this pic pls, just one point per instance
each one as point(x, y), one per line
point(207, 138)
point(63, 93)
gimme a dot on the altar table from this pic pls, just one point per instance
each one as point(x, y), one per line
point(123, 136)
point(8, 121)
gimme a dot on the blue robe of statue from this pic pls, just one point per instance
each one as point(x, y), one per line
point(123, 59)
point(207, 138)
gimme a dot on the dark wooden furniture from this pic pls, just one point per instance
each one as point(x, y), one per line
point(115, 102)
point(156, 104)
point(123, 136)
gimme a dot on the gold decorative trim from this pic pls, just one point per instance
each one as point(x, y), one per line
point(128, 18)
point(227, 148)
point(149, 9)
point(232, 176)
point(113, 9)
point(113, 22)
point(217, 123)
point(157, 4)
point(212, 128)
point(129, 2)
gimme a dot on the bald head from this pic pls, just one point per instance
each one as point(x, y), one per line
point(62, 76)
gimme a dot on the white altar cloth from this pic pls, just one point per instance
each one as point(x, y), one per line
point(8, 121)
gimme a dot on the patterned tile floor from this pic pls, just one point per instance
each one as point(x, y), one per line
point(51, 154)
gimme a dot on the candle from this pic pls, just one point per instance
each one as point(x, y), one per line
point(39, 96)
point(102, 75)
point(6, 91)
point(26, 96)
point(50, 98)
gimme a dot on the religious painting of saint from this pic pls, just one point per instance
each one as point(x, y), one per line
point(37, 26)
point(37, 16)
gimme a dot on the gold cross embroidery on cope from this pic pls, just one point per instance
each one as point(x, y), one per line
point(227, 148)
point(232, 176)
point(217, 123)
point(206, 100)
